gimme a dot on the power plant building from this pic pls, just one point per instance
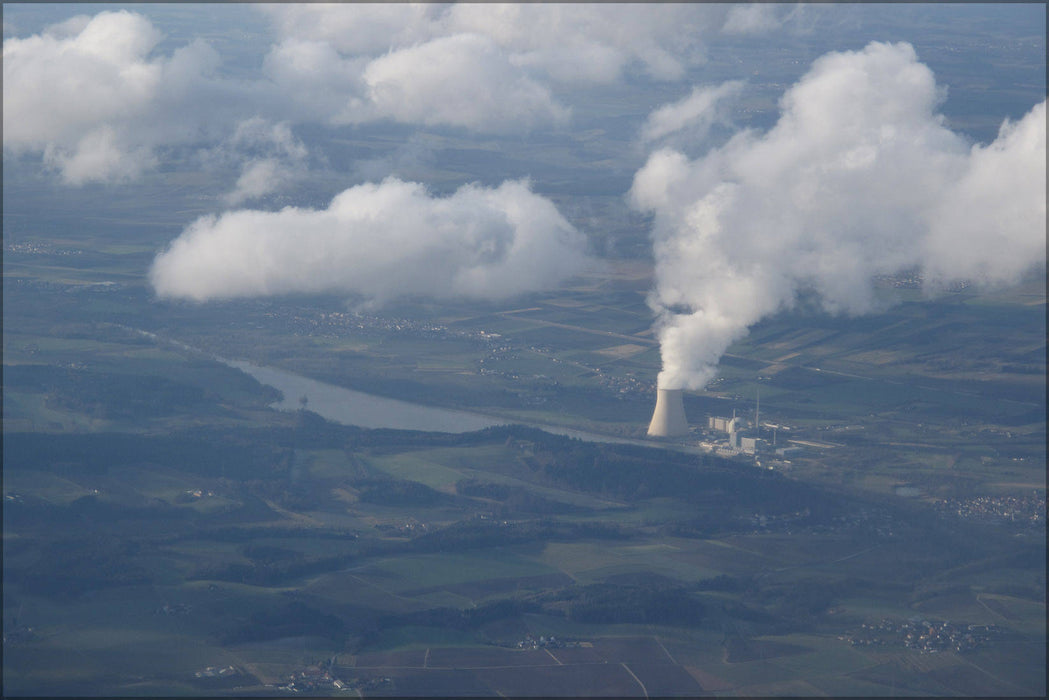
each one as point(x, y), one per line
point(751, 445)
point(723, 425)
point(719, 424)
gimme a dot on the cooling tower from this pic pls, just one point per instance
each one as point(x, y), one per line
point(668, 420)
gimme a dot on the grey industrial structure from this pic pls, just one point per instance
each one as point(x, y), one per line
point(669, 421)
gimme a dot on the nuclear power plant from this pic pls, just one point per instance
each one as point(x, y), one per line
point(668, 420)
point(732, 437)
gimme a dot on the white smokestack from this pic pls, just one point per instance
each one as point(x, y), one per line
point(668, 420)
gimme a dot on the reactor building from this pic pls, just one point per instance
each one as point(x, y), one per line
point(668, 420)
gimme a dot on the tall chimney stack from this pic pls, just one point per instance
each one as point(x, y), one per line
point(668, 420)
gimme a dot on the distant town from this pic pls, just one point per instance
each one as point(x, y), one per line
point(1025, 512)
point(925, 636)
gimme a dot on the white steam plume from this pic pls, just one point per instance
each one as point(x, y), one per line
point(859, 177)
point(380, 241)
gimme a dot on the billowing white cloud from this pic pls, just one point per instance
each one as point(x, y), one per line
point(693, 115)
point(99, 156)
point(274, 158)
point(258, 178)
point(587, 43)
point(89, 93)
point(751, 18)
point(495, 68)
point(987, 226)
point(462, 80)
point(488, 67)
point(59, 84)
point(315, 81)
point(358, 30)
point(859, 177)
point(258, 133)
point(380, 241)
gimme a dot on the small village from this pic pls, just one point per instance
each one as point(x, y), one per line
point(924, 636)
point(320, 677)
point(551, 642)
point(178, 609)
point(217, 672)
point(38, 248)
point(1026, 511)
point(324, 676)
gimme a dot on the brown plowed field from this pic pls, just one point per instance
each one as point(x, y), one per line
point(666, 680)
point(709, 681)
point(965, 679)
point(631, 650)
point(412, 658)
point(740, 651)
point(588, 680)
point(465, 658)
point(493, 586)
point(433, 683)
point(579, 655)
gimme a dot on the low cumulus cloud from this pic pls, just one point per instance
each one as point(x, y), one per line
point(462, 80)
point(990, 226)
point(752, 18)
point(410, 159)
point(860, 176)
point(100, 103)
point(271, 156)
point(572, 43)
point(691, 118)
point(91, 96)
point(379, 241)
point(484, 66)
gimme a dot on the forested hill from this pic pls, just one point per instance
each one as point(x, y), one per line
point(723, 492)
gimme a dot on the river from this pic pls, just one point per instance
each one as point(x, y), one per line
point(349, 407)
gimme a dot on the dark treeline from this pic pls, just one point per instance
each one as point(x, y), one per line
point(208, 452)
point(70, 566)
point(295, 619)
point(234, 452)
point(605, 603)
point(657, 602)
point(632, 473)
point(593, 604)
point(461, 618)
point(109, 395)
point(388, 491)
point(460, 536)
point(364, 625)
point(800, 602)
point(253, 468)
point(514, 499)
point(623, 471)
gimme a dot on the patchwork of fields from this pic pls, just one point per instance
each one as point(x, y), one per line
point(163, 524)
